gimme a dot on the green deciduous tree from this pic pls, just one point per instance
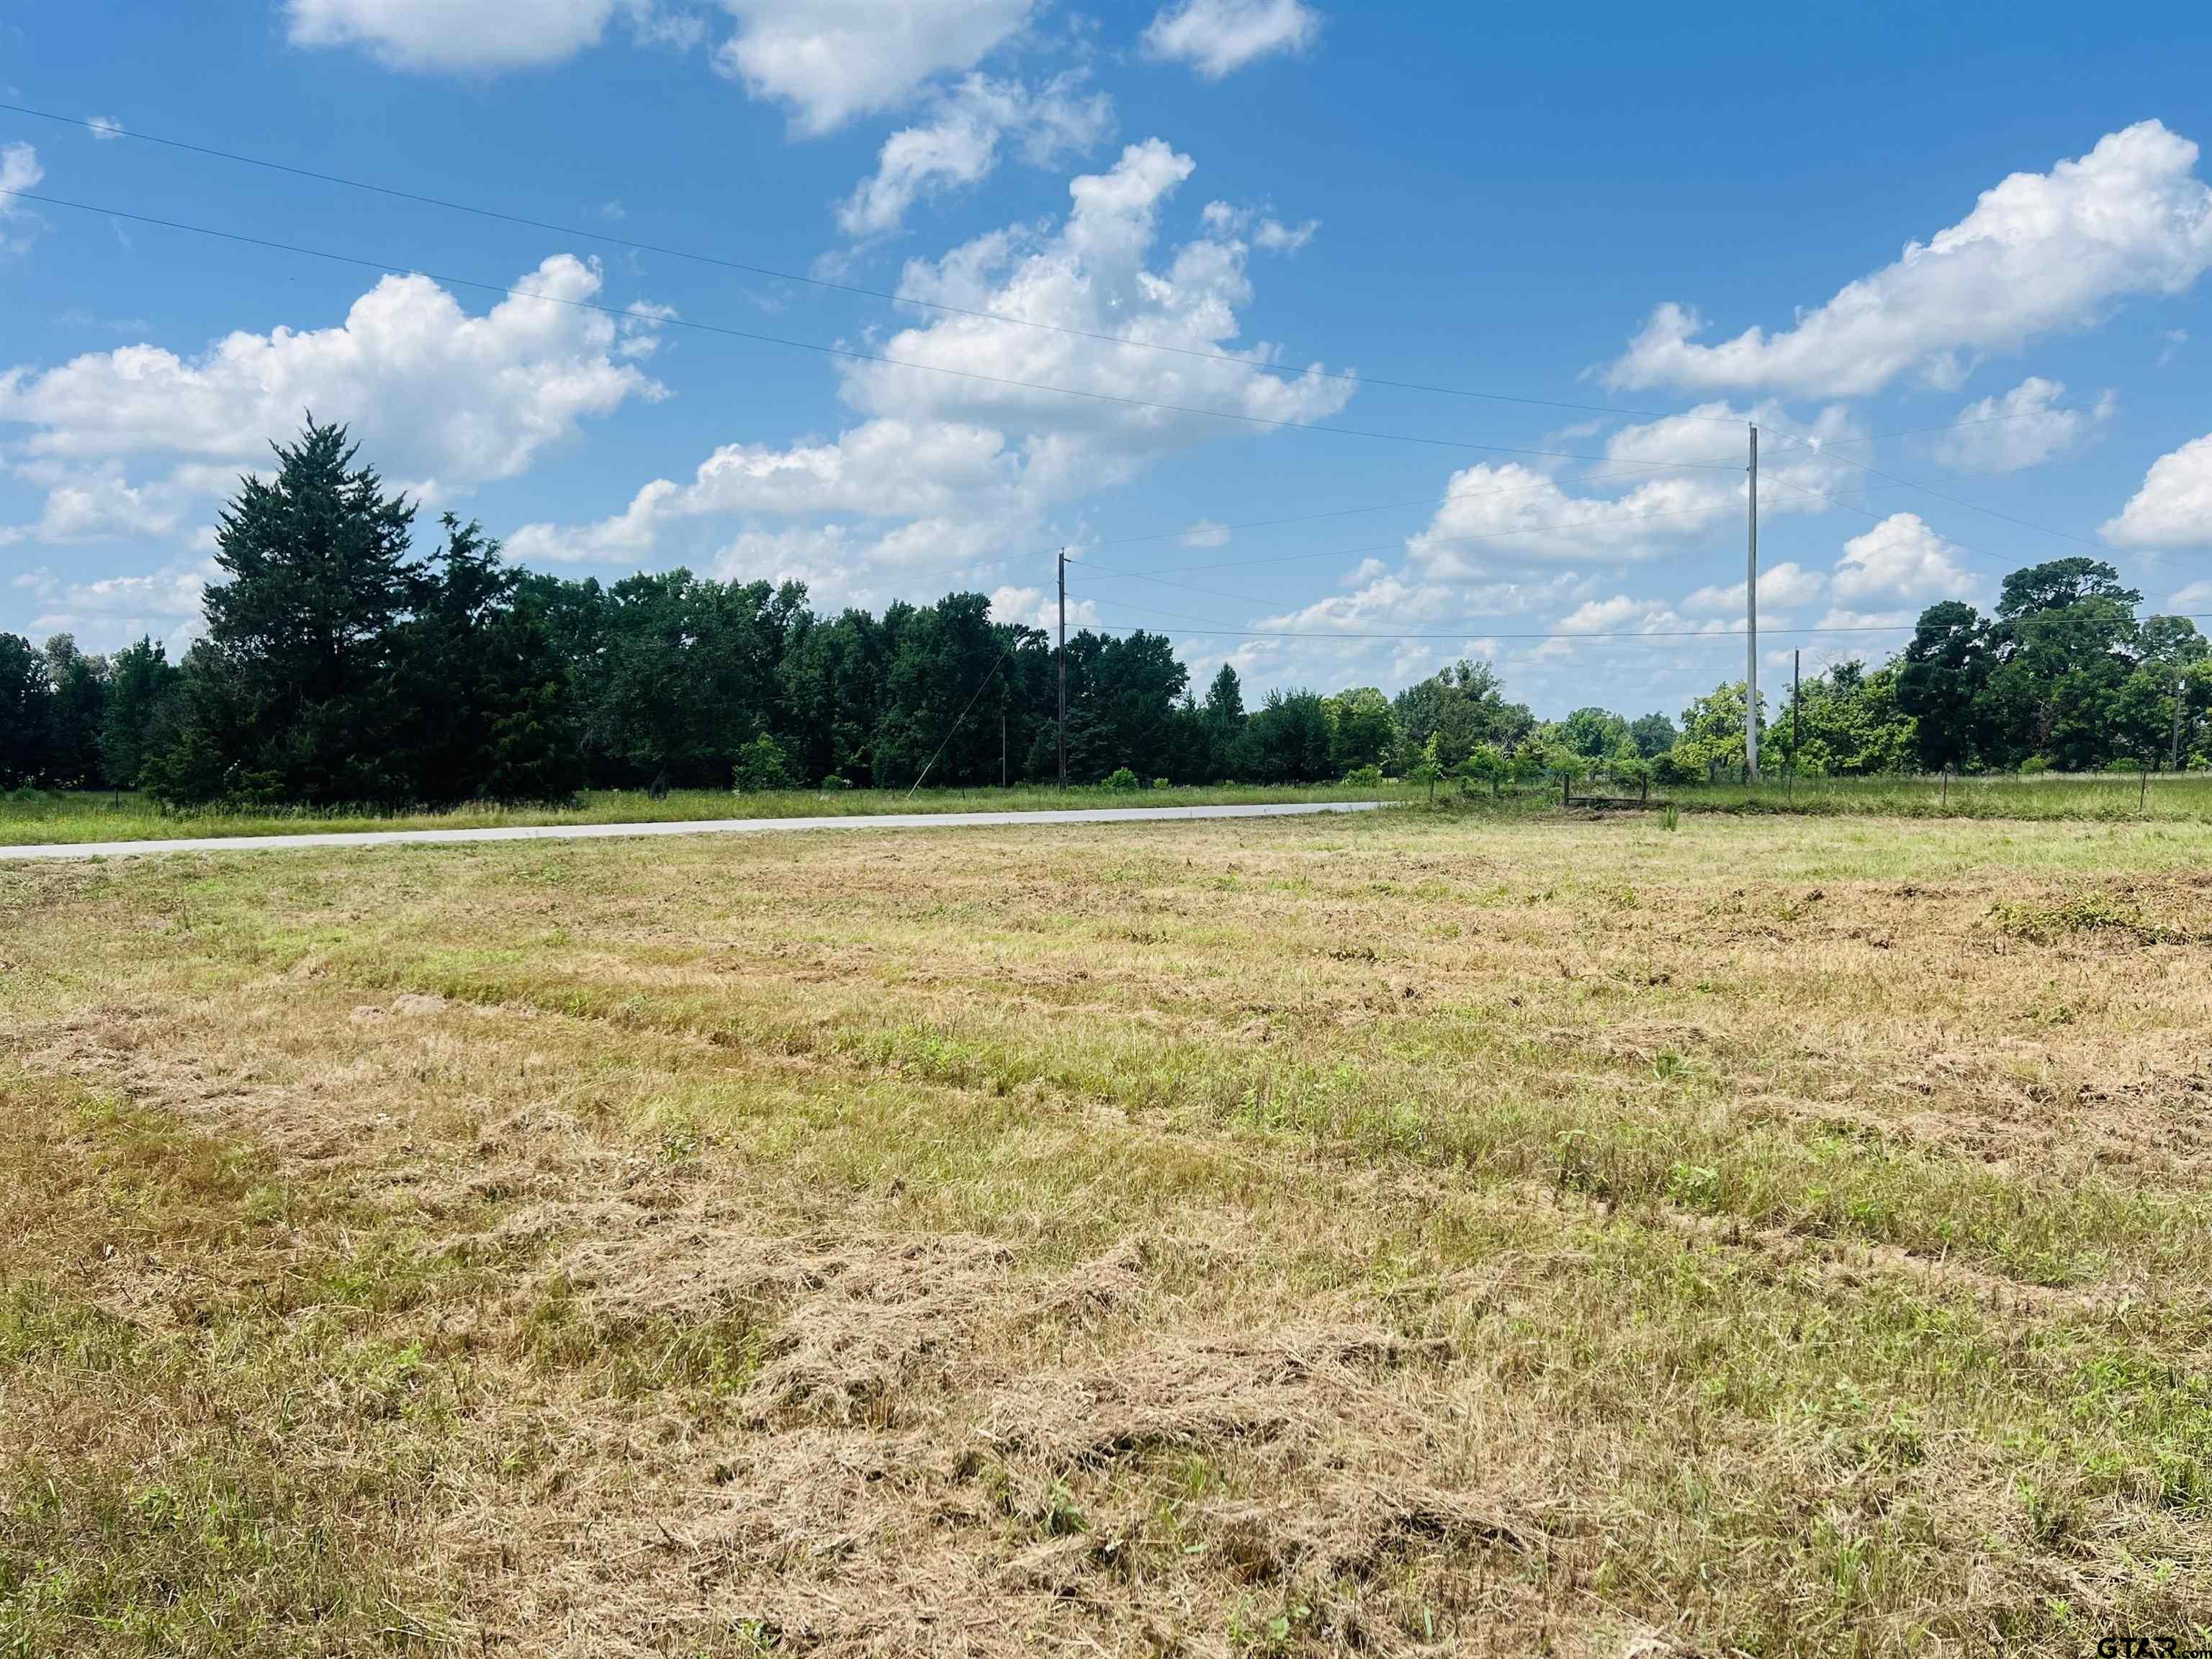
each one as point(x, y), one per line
point(1594, 734)
point(141, 718)
point(1845, 722)
point(1363, 731)
point(1939, 683)
point(76, 715)
point(26, 697)
point(1486, 763)
point(1461, 707)
point(1712, 730)
point(1655, 735)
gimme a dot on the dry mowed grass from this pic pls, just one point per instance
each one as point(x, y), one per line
point(1771, 1236)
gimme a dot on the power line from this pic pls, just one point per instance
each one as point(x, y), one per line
point(855, 288)
point(859, 290)
point(1387, 547)
point(1928, 490)
point(1729, 634)
point(997, 662)
point(1157, 572)
point(1563, 524)
point(1868, 512)
point(1624, 469)
point(1918, 431)
point(847, 352)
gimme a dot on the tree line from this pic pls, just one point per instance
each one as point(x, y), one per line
point(337, 665)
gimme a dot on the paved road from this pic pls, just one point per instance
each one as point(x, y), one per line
point(110, 850)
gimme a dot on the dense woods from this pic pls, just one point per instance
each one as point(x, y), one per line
point(340, 665)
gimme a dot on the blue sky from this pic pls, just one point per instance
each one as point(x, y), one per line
point(1965, 247)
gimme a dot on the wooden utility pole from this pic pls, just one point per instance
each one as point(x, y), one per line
point(2181, 690)
point(1063, 668)
point(1751, 629)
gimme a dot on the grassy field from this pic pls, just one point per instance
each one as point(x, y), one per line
point(1773, 1236)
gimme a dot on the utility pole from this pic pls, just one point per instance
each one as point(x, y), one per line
point(2181, 690)
point(1751, 629)
point(1063, 669)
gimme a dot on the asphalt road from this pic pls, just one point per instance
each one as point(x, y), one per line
point(112, 849)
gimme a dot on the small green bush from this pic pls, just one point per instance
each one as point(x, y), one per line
point(834, 782)
point(2034, 765)
point(1162, 783)
point(1121, 781)
point(762, 765)
point(1364, 777)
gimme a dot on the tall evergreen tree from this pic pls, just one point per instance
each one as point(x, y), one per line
point(1288, 740)
point(288, 697)
point(1224, 724)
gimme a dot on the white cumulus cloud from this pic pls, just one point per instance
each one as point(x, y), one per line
point(1785, 584)
point(2040, 252)
point(452, 34)
point(1033, 607)
point(2026, 427)
point(1217, 38)
point(940, 471)
point(1092, 276)
point(96, 504)
point(959, 144)
point(441, 399)
point(2174, 508)
point(1901, 561)
point(1506, 512)
point(834, 60)
point(2193, 600)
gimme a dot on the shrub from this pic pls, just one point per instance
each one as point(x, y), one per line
point(835, 782)
point(2033, 765)
point(761, 764)
point(1364, 777)
point(1162, 783)
point(1486, 763)
point(1630, 771)
point(1122, 779)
